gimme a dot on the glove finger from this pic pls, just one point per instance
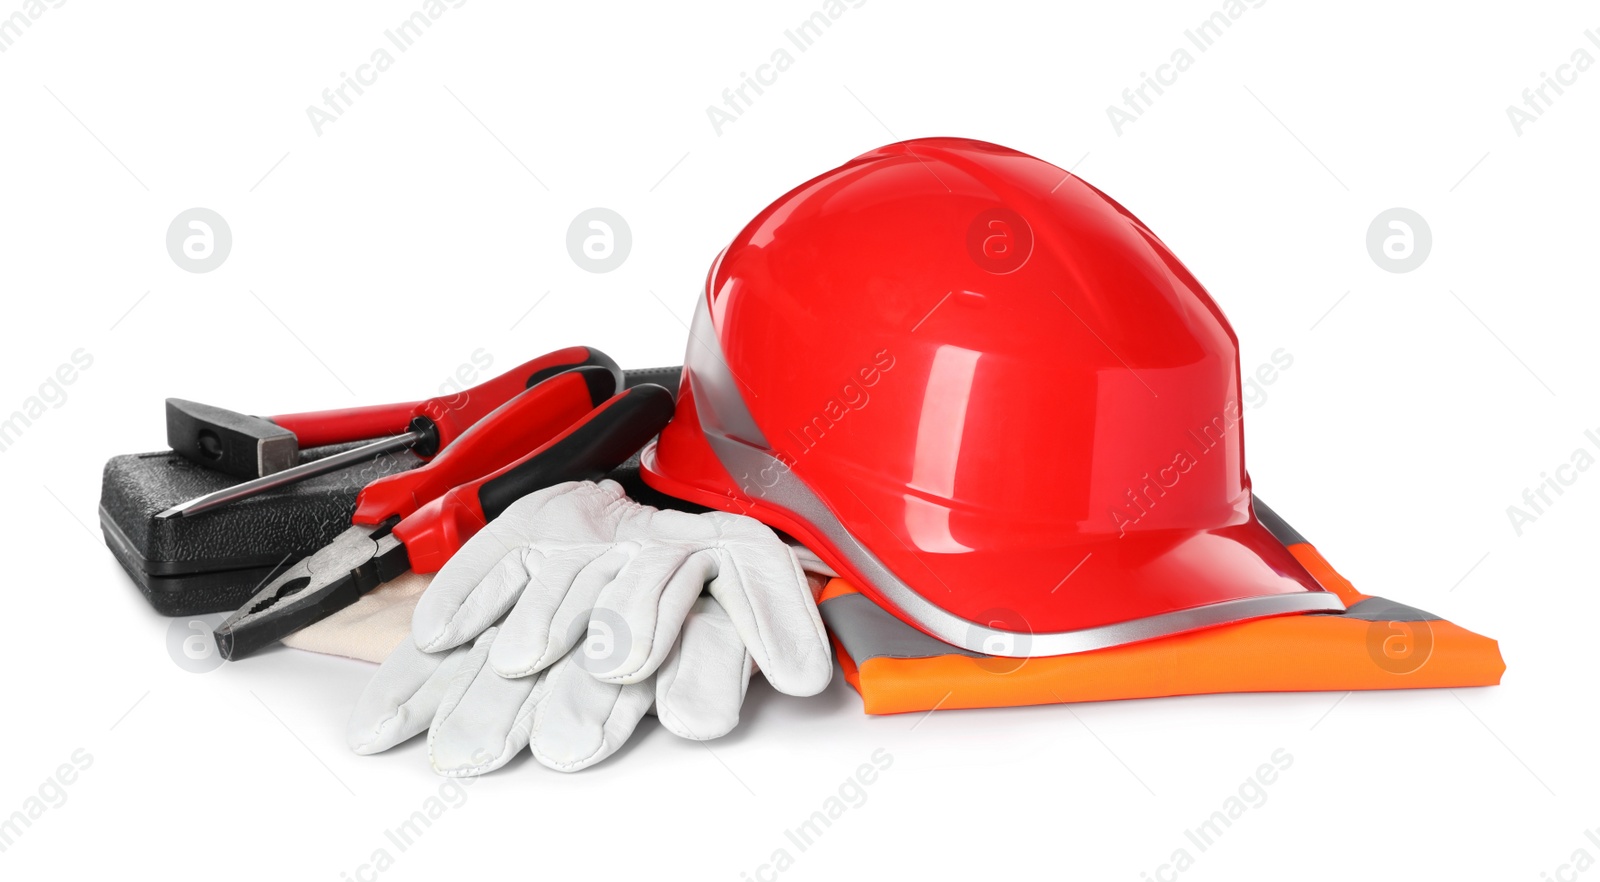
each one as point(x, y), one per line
point(467, 596)
point(766, 594)
point(553, 613)
point(581, 720)
point(401, 698)
point(702, 684)
point(516, 527)
point(483, 718)
point(453, 611)
point(644, 607)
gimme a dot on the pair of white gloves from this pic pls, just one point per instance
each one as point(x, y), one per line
point(576, 612)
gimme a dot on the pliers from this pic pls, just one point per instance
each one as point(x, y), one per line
point(417, 520)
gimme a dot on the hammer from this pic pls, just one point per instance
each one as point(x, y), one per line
point(247, 447)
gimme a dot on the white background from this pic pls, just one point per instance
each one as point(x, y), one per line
point(368, 262)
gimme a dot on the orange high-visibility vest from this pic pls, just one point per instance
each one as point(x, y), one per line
point(1374, 644)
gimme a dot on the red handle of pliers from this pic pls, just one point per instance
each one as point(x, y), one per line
point(451, 414)
point(508, 433)
point(586, 451)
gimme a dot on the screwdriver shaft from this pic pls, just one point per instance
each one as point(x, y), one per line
point(219, 498)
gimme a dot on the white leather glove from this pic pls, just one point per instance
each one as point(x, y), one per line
point(576, 552)
point(580, 708)
point(478, 721)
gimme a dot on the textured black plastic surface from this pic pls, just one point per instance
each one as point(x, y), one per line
point(667, 377)
point(250, 532)
point(214, 561)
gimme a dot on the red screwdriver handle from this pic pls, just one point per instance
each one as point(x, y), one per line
point(586, 451)
point(449, 414)
point(318, 428)
point(522, 424)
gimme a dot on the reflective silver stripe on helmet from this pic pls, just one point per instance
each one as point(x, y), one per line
point(740, 446)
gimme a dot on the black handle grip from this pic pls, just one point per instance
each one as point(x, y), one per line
point(595, 358)
point(593, 446)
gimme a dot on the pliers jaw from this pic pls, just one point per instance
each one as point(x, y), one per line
point(358, 560)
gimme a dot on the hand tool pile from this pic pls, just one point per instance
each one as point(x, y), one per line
point(560, 417)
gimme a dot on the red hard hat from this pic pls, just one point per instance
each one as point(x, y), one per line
point(989, 397)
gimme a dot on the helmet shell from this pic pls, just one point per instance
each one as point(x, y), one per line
point(989, 396)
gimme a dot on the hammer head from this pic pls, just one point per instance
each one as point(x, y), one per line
point(233, 443)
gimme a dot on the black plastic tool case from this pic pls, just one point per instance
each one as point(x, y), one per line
point(215, 561)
